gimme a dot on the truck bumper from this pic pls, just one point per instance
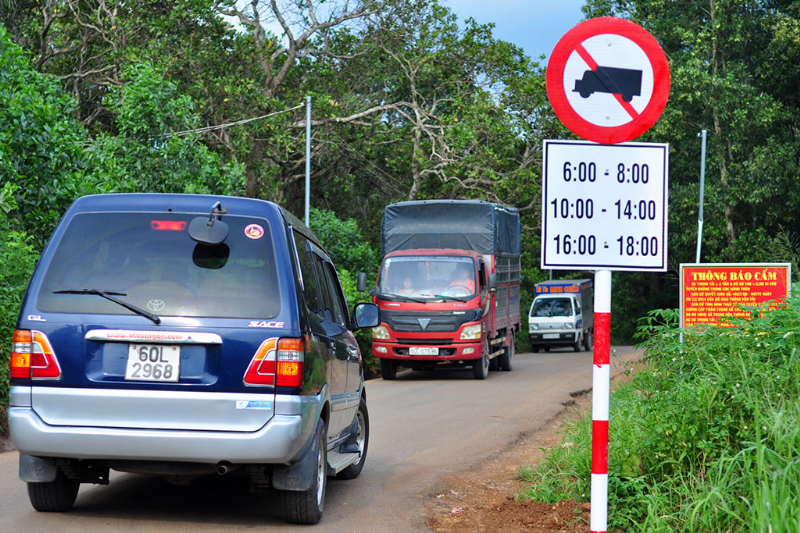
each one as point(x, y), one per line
point(555, 339)
point(444, 352)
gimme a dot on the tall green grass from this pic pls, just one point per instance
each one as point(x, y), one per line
point(705, 437)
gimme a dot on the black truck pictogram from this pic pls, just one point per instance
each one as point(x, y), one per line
point(622, 81)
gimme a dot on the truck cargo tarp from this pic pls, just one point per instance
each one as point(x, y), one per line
point(485, 227)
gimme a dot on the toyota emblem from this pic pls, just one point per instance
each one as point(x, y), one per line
point(156, 305)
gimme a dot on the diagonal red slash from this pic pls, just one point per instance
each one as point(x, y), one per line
point(593, 65)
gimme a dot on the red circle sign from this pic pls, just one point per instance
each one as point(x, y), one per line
point(608, 80)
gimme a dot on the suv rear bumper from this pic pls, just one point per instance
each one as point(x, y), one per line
point(281, 440)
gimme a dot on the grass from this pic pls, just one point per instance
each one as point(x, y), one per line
point(705, 438)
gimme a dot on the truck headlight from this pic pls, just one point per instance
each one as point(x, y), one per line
point(568, 325)
point(471, 332)
point(534, 327)
point(380, 332)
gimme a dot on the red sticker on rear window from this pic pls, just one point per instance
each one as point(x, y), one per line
point(254, 231)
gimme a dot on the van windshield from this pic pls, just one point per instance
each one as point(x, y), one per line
point(427, 277)
point(552, 307)
point(149, 261)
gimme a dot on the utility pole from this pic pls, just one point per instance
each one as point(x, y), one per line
point(308, 158)
point(702, 192)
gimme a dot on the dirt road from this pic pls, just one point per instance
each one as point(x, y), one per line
point(426, 427)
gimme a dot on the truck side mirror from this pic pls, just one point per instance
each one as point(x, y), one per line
point(361, 284)
point(492, 282)
point(373, 291)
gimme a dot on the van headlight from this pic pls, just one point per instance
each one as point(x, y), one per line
point(534, 326)
point(380, 332)
point(568, 325)
point(471, 332)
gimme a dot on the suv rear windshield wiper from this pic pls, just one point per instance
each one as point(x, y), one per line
point(109, 295)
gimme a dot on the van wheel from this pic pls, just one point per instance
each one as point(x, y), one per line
point(362, 441)
point(480, 367)
point(535, 349)
point(587, 342)
point(577, 345)
point(305, 507)
point(54, 496)
point(507, 359)
point(547, 348)
point(388, 370)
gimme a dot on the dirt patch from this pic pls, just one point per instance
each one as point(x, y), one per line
point(485, 499)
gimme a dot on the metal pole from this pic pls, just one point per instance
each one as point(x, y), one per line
point(601, 392)
point(702, 192)
point(308, 158)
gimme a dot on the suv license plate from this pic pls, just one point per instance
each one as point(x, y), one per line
point(550, 336)
point(153, 362)
point(423, 351)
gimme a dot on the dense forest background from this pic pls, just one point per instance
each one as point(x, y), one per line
point(205, 96)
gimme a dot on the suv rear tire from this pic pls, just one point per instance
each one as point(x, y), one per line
point(54, 496)
point(362, 440)
point(305, 507)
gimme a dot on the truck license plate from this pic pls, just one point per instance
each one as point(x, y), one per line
point(550, 336)
point(423, 351)
point(153, 362)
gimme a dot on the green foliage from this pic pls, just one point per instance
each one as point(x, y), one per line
point(343, 241)
point(41, 144)
point(153, 151)
point(18, 257)
point(705, 437)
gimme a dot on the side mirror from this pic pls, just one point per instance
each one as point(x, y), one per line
point(366, 315)
point(373, 291)
point(361, 284)
point(493, 282)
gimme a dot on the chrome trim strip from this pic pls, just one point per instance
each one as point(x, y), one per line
point(160, 337)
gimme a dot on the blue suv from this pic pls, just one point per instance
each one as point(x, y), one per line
point(186, 335)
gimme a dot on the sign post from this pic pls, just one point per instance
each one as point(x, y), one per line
point(604, 206)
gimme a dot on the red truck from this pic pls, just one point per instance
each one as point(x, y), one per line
point(448, 287)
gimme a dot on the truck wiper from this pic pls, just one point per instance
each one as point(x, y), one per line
point(451, 298)
point(109, 295)
point(405, 298)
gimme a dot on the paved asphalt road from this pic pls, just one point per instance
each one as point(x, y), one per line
point(424, 426)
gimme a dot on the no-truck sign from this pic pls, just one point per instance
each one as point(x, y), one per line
point(608, 80)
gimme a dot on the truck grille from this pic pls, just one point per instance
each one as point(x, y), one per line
point(427, 322)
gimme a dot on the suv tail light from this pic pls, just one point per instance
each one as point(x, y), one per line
point(32, 356)
point(277, 362)
point(290, 363)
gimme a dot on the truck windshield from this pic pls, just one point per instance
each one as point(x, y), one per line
point(141, 262)
point(427, 277)
point(552, 307)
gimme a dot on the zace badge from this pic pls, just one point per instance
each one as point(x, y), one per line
point(608, 80)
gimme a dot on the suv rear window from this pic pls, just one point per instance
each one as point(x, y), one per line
point(150, 261)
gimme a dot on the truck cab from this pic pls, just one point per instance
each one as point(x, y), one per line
point(561, 315)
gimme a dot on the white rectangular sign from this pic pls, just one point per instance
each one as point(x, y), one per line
point(604, 207)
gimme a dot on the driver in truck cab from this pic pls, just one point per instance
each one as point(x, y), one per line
point(463, 279)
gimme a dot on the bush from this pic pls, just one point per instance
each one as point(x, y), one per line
point(706, 438)
point(18, 257)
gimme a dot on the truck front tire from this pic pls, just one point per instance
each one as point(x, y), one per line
point(480, 368)
point(388, 369)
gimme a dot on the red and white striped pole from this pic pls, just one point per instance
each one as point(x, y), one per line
point(601, 384)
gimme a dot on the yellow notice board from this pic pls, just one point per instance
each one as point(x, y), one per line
point(710, 291)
